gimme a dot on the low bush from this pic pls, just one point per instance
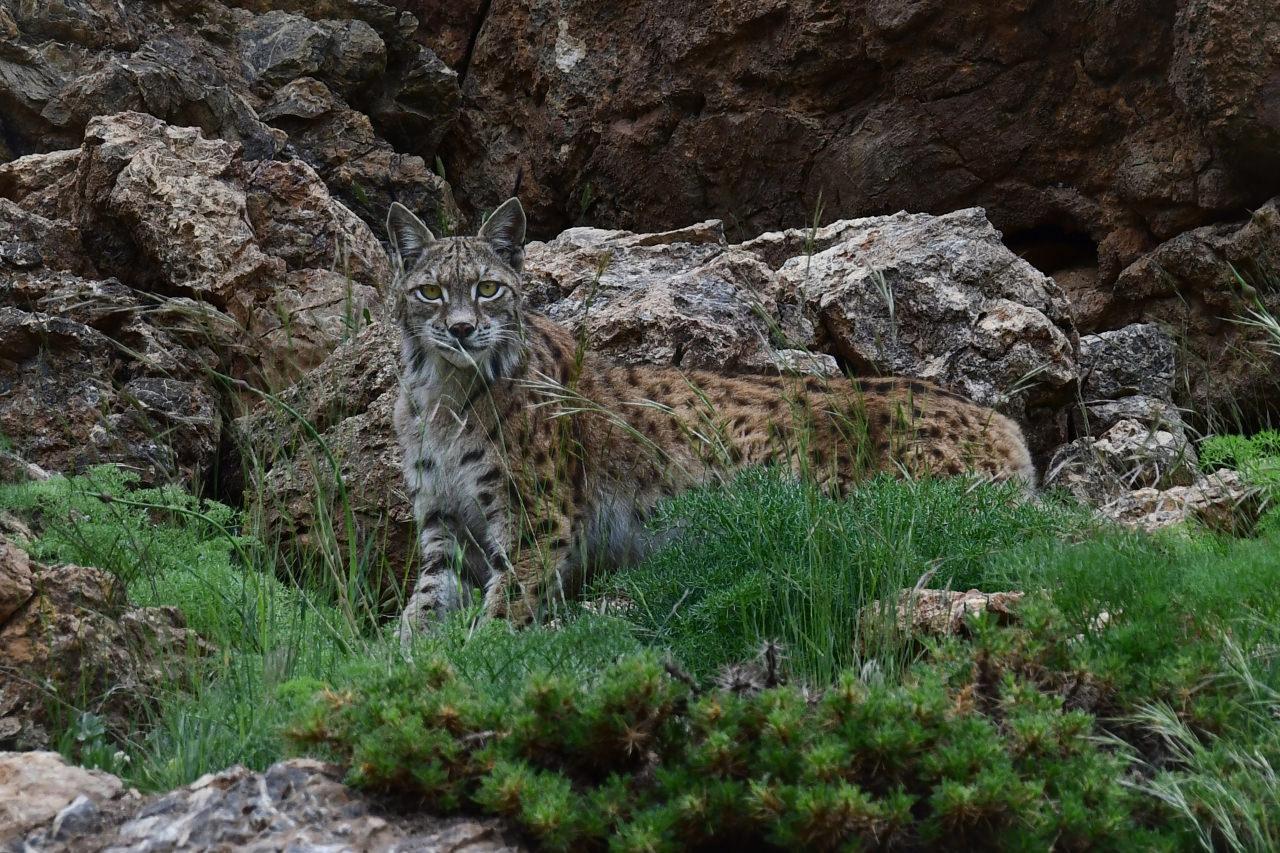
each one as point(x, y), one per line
point(634, 758)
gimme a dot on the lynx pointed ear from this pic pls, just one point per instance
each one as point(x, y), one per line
point(406, 232)
point(504, 229)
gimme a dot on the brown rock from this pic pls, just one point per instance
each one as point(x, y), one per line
point(169, 189)
point(942, 612)
point(40, 789)
point(1221, 501)
point(939, 298)
point(293, 805)
point(1203, 283)
point(1088, 134)
point(77, 640)
point(360, 168)
point(448, 26)
point(246, 267)
point(15, 579)
point(64, 411)
point(1129, 455)
point(682, 297)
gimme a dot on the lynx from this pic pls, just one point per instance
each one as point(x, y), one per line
point(530, 460)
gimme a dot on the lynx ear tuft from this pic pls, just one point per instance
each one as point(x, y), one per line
point(406, 232)
point(504, 229)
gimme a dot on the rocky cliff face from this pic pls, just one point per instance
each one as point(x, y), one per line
point(1089, 132)
point(192, 192)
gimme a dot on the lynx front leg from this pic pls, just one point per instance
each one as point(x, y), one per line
point(439, 588)
point(533, 577)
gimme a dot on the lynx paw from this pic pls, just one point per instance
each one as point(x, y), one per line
point(434, 597)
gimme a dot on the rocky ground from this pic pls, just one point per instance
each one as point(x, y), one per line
point(191, 194)
point(299, 805)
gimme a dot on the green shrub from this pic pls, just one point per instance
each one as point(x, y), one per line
point(1257, 458)
point(769, 558)
point(632, 758)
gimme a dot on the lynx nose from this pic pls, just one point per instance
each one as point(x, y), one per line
point(461, 330)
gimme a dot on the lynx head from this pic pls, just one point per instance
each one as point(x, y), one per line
point(458, 298)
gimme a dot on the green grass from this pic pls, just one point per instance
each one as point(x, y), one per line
point(1257, 458)
point(169, 548)
point(1153, 731)
point(773, 559)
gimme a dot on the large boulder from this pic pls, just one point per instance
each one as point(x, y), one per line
point(683, 298)
point(941, 298)
point(1220, 500)
point(293, 805)
point(40, 793)
point(225, 66)
point(1209, 285)
point(358, 166)
point(1129, 455)
point(72, 641)
point(1131, 433)
point(134, 270)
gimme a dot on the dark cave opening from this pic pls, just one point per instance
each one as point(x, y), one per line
point(1050, 247)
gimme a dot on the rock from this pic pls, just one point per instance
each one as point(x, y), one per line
point(278, 47)
point(15, 579)
point(76, 639)
point(250, 268)
point(683, 298)
point(1089, 135)
point(42, 184)
point(293, 805)
point(1221, 501)
point(204, 63)
point(29, 241)
point(1224, 70)
point(1097, 416)
point(943, 612)
point(448, 26)
point(15, 469)
point(802, 361)
point(1137, 360)
point(178, 77)
point(939, 298)
point(67, 407)
point(358, 167)
point(348, 400)
point(1127, 456)
point(182, 203)
point(1127, 374)
point(166, 188)
point(40, 789)
point(420, 103)
point(300, 499)
point(1204, 283)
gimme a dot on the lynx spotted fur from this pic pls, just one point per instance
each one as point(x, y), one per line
point(528, 459)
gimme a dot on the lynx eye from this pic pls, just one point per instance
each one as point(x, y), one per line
point(429, 293)
point(488, 289)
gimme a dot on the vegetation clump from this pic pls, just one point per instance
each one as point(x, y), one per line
point(637, 758)
point(1131, 705)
